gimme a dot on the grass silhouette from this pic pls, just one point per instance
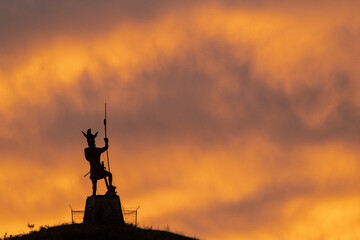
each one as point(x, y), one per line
point(98, 232)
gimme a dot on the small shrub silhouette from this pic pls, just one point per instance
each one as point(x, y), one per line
point(30, 226)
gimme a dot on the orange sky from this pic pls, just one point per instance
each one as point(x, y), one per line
point(227, 119)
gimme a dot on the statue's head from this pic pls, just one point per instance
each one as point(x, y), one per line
point(90, 137)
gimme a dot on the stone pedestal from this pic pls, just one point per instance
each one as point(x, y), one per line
point(103, 210)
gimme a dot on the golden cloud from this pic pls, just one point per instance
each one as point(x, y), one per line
point(225, 122)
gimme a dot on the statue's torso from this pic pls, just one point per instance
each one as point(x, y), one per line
point(92, 154)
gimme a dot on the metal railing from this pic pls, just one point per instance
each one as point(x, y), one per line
point(130, 215)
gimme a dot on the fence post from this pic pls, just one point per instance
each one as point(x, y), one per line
point(136, 216)
point(72, 216)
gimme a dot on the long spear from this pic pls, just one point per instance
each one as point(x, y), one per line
point(107, 153)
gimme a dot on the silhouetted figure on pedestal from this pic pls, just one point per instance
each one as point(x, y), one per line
point(97, 169)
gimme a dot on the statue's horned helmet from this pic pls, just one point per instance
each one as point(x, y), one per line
point(89, 136)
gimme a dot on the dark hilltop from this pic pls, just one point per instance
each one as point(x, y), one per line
point(98, 232)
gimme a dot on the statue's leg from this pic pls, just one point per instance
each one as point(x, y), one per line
point(110, 179)
point(94, 183)
point(109, 175)
point(111, 188)
point(106, 183)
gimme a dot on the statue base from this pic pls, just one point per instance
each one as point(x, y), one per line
point(103, 209)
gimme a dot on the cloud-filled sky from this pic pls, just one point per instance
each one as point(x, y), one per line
point(226, 119)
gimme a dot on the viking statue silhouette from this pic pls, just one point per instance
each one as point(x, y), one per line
point(97, 169)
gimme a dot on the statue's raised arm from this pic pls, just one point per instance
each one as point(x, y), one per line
point(106, 140)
